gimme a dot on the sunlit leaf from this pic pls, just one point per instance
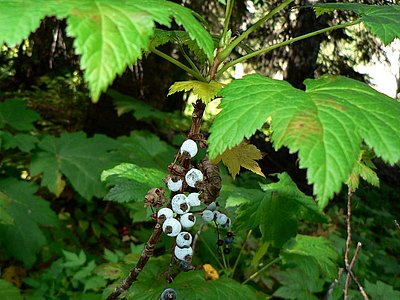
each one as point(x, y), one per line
point(325, 124)
point(201, 90)
point(382, 20)
point(243, 155)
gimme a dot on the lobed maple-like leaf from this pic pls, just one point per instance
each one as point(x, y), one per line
point(79, 158)
point(325, 124)
point(275, 209)
point(243, 155)
point(382, 20)
point(109, 34)
point(206, 91)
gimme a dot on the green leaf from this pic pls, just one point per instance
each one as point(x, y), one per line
point(300, 283)
point(131, 182)
point(73, 259)
point(14, 113)
point(24, 238)
point(275, 209)
point(319, 249)
point(141, 110)
point(381, 290)
point(363, 168)
point(111, 35)
point(190, 285)
point(8, 291)
point(5, 217)
point(206, 91)
point(79, 158)
point(325, 124)
point(382, 20)
point(19, 18)
point(145, 150)
point(23, 141)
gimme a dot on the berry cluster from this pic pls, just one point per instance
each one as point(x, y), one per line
point(190, 188)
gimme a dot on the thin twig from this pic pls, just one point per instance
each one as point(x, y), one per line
point(143, 259)
point(348, 242)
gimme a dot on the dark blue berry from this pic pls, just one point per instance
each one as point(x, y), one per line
point(229, 240)
point(220, 242)
point(168, 294)
point(227, 250)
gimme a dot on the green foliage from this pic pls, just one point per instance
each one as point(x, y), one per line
point(79, 158)
point(190, 285)
point(109, 35)
point(275, 209)
point(23, 238)
point(382, 20)
point(130, 182)
point(14, 113)
point(9, 291)
point(201, 90)
point(325, 124)
point(318, 249)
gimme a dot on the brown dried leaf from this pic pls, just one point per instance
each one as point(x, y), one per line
point(243, 155)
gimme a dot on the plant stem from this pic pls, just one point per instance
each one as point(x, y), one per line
point(348, 244)
point(212, 253)
point(290, 41)
point(143, 259)
point(272, 262)
point(172, 60)
point(225, 53)
point(240, 253)
point(228, 13)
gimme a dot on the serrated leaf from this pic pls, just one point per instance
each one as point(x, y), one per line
point(298, 284)
point(19, 18)
point(14, 113)
point(131, 182)
point(24, 238)
point(73, 259)
point(79, 158)
point(381, 290)
point(145, 150)
point(190, 285)
point(382, 20)
point(275, 210)
point(318, 248)
point(201, 90)
point(8, 291)
point(320, 11)
point(243, 155)
point(180, 38)
point(325, 124)
point(110, 35)
point(363, 168)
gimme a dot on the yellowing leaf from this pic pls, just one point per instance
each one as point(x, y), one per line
point(202, 90)
point(243, 155)
point(210, 272)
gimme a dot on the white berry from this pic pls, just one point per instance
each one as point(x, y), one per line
point(184, 239)
point(193, 176)
point(180, 205)
point(165, 212)
point(221, 219)
point(193, 199)
point(174, 186)
point(188, 220)
point(183, 253)
point(207, 215)
point(172, 227)
point(190, 147)
point(212, 206)
point(228, 223)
